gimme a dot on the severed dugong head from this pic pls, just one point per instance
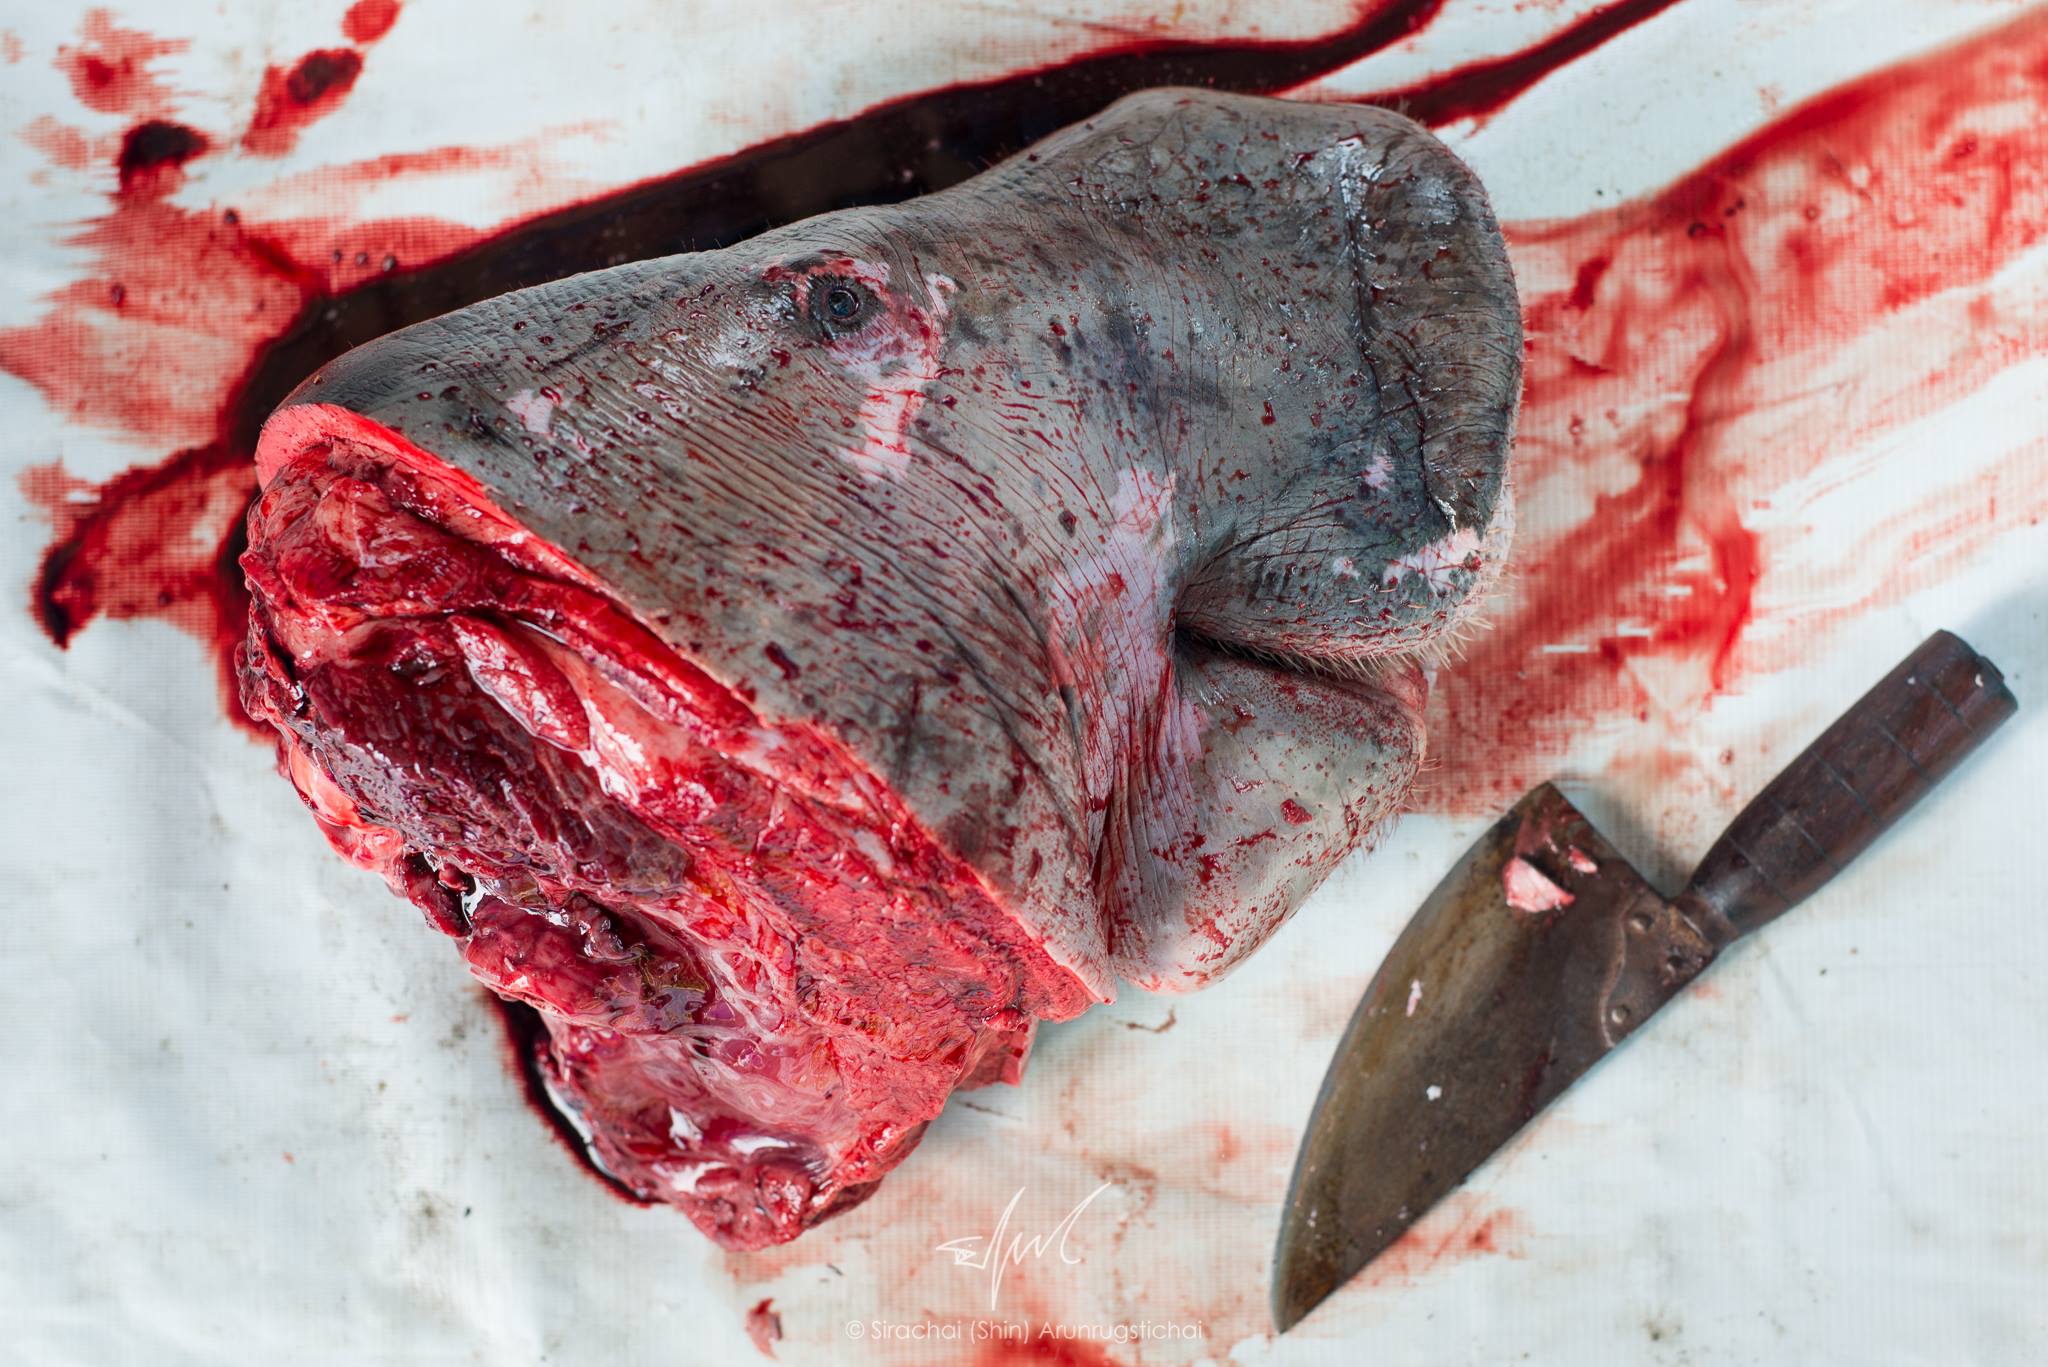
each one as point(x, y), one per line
point(901, 625)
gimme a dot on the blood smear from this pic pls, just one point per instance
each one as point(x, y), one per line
point(1698, 355)
point(109, 69)
point(369, 20)
point(764, 1327)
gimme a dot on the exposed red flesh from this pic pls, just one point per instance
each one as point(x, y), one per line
point(760, 975)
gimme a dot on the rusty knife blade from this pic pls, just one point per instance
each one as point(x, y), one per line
point(1539, 952)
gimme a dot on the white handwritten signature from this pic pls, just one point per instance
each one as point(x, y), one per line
point(995, 1256)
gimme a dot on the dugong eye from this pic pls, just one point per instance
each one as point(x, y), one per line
point(839, 306)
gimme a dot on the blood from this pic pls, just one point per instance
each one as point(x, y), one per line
point(1046, 1351)
point(1458, 1228)
point(114, 559)
point(290, 99)
point(1480, 89)
point(764, 1327)
point(63, 145)
point(109, 70)
point(155, 153)
point(526, 1037)
point(1678, 348)
point(148, 342)
point(369, 20)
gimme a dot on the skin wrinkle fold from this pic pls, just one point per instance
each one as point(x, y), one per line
point(1049, 596)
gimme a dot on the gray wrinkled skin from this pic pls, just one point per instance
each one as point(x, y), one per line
point(1108, 533)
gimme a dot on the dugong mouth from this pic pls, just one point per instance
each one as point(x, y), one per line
point(797, 670)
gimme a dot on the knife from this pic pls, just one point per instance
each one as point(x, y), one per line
point(1542, 950)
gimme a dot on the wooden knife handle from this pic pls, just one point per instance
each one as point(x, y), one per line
point(1847, 788)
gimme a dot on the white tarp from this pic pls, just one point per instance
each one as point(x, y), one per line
point(257, 1114)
